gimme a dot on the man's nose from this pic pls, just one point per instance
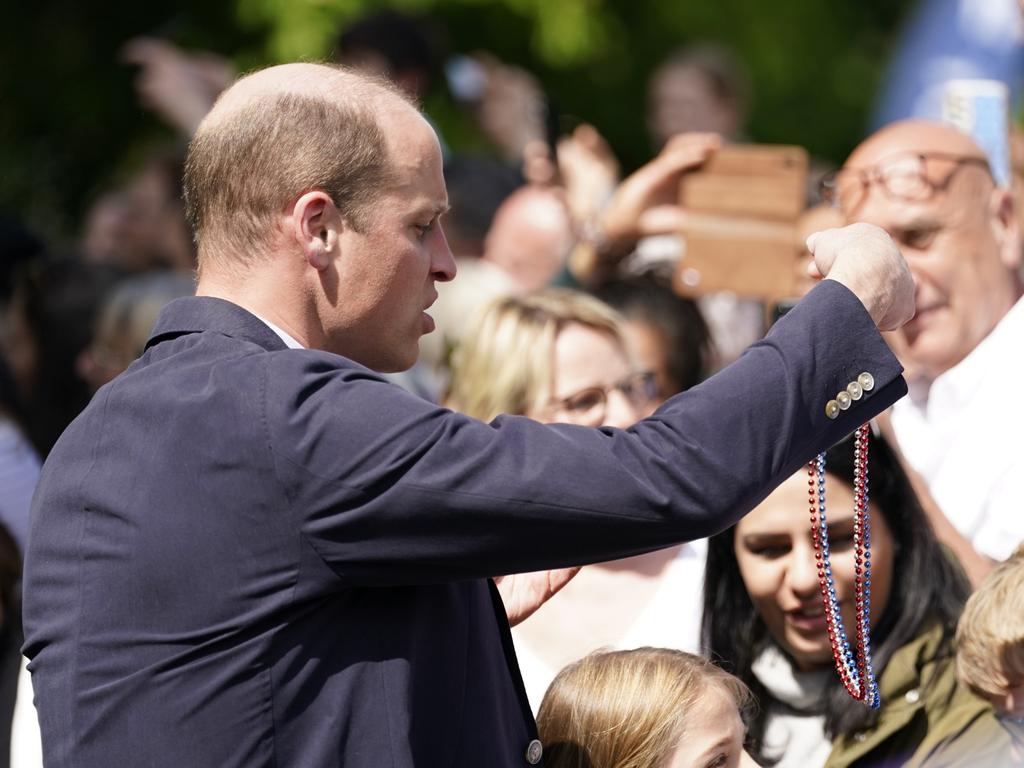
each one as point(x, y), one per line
point(442, 262)
point(620, 411)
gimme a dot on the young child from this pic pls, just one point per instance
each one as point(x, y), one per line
point(644, 708)
point(990, 657)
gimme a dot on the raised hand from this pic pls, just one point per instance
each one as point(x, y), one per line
point(866, 260)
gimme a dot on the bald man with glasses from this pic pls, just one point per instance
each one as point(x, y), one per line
point(930, 187)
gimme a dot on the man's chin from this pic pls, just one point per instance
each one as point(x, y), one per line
point(929, 354)
point(398, 363)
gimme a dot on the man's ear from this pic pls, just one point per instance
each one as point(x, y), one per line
point(316, 224)
point(1003, 212)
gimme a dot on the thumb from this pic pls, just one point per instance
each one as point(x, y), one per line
point(820, 246)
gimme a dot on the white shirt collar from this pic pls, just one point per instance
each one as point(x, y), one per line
point(287, 338)
point(961, 382)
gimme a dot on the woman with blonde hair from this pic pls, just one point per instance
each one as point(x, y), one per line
point(645, 708)
point(560, 356)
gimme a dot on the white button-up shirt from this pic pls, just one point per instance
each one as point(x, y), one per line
point(963, 433)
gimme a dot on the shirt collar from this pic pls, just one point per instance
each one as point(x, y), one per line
point(960, 383)
point(286, 337)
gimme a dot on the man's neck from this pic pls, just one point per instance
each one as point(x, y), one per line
point(273, 298)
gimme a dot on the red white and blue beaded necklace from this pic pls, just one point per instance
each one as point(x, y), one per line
point(854, 669)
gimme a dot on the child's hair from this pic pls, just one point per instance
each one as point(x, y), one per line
point(990, 635)
point(627, 709)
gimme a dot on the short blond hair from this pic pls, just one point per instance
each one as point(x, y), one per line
point(990, 634)
point(627, 709)
point(504, 363)
point(243, 167)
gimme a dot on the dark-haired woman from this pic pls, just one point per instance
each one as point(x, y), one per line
point(764, 622)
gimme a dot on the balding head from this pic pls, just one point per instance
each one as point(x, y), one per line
point(531, 236)
point(929, 186)
point(919, 136)
point(280, 132)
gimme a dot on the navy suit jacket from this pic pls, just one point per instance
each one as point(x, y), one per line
point(247, 555)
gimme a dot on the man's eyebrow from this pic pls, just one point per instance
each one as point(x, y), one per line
point(433, 209)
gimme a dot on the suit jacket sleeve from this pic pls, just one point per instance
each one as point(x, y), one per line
point(389, 489)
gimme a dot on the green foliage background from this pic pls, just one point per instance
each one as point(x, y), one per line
point(69, 122)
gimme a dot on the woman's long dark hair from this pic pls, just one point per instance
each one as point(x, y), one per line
point(927, 587)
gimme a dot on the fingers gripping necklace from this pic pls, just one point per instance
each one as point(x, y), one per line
point(854, 669)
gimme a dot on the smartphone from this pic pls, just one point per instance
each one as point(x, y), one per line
point(742, 208)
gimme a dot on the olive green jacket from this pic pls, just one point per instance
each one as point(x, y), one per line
point(923, 709)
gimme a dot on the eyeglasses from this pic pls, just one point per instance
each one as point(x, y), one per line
point(906, 177)
point(590, 406)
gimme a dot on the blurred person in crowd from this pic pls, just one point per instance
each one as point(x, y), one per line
point(48, 323)
point(588, 171)
point(126, 319)
point(10, 640)
point(286, 559)
point(764, 621)
point(644, 708)
point(18, 245)
point(394, 45)
point(179, 86)
point(701, 88)
point(506, 101)
point(990, 661)
point(531, 236)
point(623, 223)
point(19, 462)
point(141, 224)
point(666, 332)
point(645, 204)
point(561, 356)
point(930, 187)
point(512, 111)
point(477, 187)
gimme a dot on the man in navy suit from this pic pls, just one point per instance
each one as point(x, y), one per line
point(251, 550)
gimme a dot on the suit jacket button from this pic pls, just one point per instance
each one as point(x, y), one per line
point(844, 400)
point(867, 381)
point(534, 752)
point(832, 409)
point(855, 389)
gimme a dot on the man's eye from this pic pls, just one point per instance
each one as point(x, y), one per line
point(423, 229)
point(917, 238)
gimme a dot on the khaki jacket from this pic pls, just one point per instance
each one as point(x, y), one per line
point(923, 709)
